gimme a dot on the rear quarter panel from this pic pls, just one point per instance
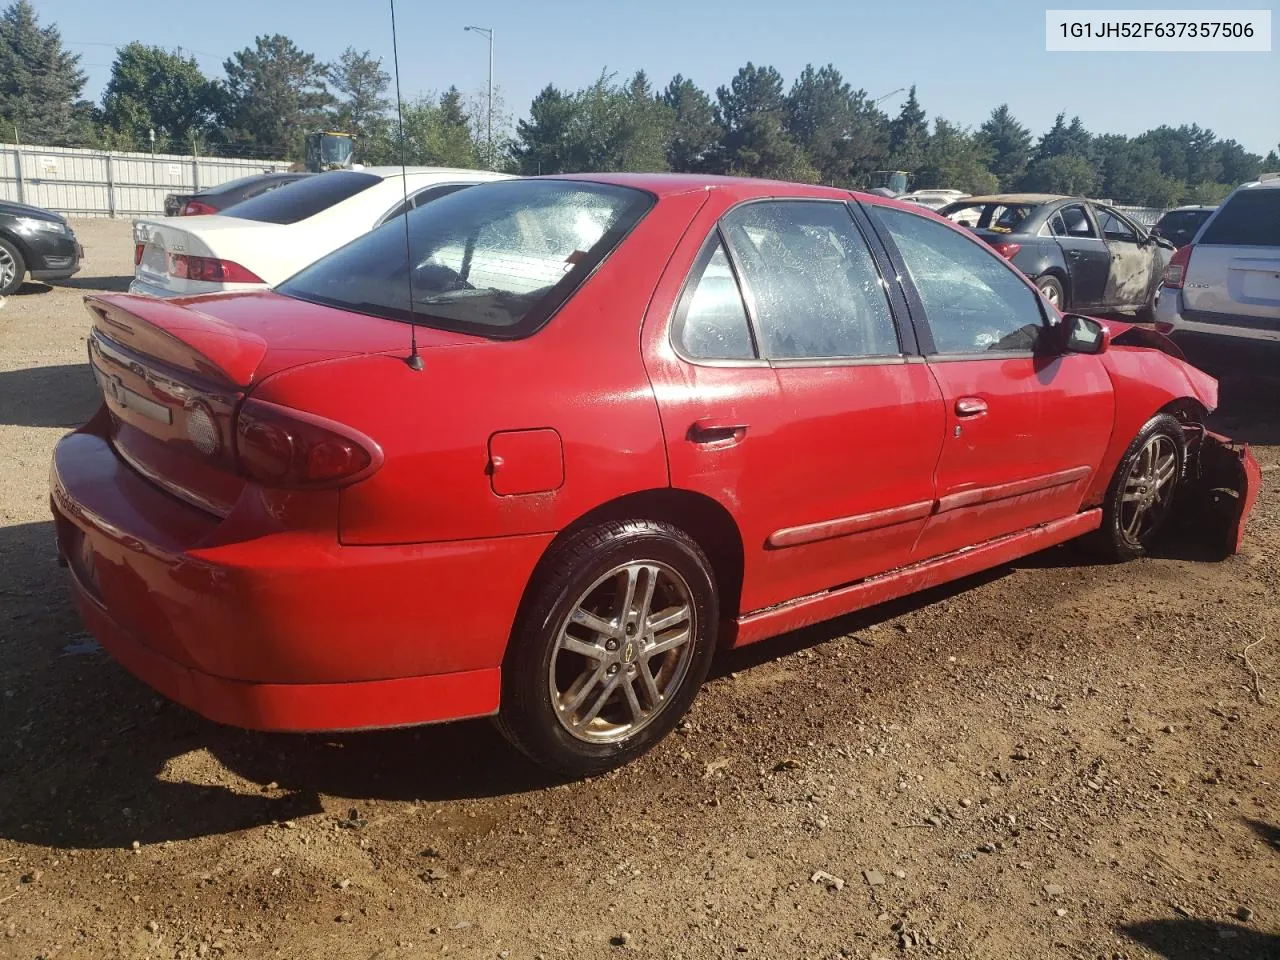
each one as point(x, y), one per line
point(1145, 380)
point(581, 379)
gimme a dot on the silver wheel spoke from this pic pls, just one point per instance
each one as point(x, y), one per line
point(629, 595)
point(574, 645)
point(633, 702)
point(600, 701)
point(650, 685)
point(646, 594)
point(581, 689)
point(670, 643)
point(667, 620)
point(596, 624)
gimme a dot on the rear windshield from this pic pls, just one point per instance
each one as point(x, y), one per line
point(1251, 218)
point(302, 198)
point(235, 184)
point(496, 259)
point(1183, 221)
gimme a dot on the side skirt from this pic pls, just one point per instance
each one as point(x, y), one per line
point(818, 607)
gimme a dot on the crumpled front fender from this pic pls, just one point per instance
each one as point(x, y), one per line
point(1222, 487)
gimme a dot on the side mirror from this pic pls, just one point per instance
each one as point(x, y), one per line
point(1155, 231)
point(1084, 334)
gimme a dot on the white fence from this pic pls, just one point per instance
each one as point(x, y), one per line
point(100, 183)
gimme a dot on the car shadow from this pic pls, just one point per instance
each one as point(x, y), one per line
point(57, 396)
point(1189, 939)
point(97, 284)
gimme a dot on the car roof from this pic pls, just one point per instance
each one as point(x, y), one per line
point(1026, 198)
point(390, 171)
point(672, 184)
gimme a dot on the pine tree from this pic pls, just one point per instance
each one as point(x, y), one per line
point(694, 130)
point(276, 95)
point(40, 82)
point(1010, 145)
point(752, 111)
point(908, 135)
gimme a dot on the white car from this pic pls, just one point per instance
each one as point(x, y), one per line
point(1226, 282)
point(266, 239)
point(933, 199)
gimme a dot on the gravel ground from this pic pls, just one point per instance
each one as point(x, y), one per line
point(1053, 759)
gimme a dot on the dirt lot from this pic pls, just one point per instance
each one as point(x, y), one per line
point(1055, 759)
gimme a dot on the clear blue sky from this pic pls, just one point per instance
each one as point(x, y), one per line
point(964, 57)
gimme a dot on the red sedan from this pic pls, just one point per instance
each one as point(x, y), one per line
point(640, 416)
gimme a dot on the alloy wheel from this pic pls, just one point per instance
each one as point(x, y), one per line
point(1148, 488)
point(623, 651)
point(8, 269)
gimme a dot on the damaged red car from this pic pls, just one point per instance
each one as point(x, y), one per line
point(541, 448)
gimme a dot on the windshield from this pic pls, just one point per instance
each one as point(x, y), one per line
point(336, 149)
point(496, 259)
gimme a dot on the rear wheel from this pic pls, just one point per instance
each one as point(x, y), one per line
point(1051, 289)
point(1141, 495)
point(12, 268)
point(616, 639)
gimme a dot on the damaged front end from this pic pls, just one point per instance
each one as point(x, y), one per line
point(1221, 486)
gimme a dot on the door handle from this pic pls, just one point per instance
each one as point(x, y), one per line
point(716, 430)
point(1073, 254)
point(970, 407)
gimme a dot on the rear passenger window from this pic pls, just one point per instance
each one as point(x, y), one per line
point(712, 323)
point(1077, 222)
point(813, 283)
point(974, 302)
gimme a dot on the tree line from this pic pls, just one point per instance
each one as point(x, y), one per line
point(820, 129)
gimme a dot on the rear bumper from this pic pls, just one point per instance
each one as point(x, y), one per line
point(280, 629)
point(1171, 312)
point(151, 290)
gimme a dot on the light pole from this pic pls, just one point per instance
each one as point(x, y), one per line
point(488, 32)
point(876, 101)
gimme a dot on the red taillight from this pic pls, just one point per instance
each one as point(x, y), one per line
point(184, 266)
point(137, 253)
point(281, 447)
point(1006, 249)
point(195, 208)
point(1175, 271)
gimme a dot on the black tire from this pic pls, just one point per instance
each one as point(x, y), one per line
point(529, 718)
point(1050, 288)
point(1115, 541)
point(20, 265)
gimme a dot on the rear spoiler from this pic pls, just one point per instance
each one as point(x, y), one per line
point(179, 336)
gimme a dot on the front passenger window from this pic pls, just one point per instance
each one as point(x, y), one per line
point(973, 301)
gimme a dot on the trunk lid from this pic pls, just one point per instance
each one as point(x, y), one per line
point(262, 248)
point(173, 375)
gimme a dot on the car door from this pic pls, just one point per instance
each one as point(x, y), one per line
point(1025, 429)
point(1087, 258)
point(1131, 273)
point(788, 397)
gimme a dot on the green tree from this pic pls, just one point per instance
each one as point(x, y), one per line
point(1063, 173)
point(752, 111)
point(1010, 145)
point(1272, 162)
point(645, 127)
point(1064, 140)
point(362, 103)
point(842, 132)
point(956, 159)
point(276, 94)
point(694, 130)
point(544, 140)
point(40, 82)
point(1210, 194)
point(438, 133)
point(908, 135)
point(1238, 164)
point(155, 89)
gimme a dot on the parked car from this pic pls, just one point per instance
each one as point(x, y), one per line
point(1179, 225)
point(1225, 285)
point(1081, 254)
point(217, 198)
point(541, 456)
point(37, 242)
point(933, 199)
point(265, 239)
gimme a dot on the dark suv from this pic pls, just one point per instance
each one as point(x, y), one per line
point(34, 241)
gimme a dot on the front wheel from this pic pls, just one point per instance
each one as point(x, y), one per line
point(616, 638)
point(12, 268)
point(1141, 495)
